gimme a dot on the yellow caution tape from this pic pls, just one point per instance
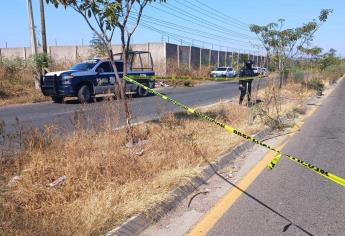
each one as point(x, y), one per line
point(143, 76)
point(274, 161)
point(228, 128)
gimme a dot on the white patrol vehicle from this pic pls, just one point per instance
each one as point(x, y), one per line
point(225, 72)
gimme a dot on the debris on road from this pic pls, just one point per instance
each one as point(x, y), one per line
point(206, 191)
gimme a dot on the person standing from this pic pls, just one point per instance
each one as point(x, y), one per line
point(245, 85)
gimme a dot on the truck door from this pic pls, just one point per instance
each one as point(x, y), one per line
point(105, 78)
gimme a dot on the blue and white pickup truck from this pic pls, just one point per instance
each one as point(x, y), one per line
point(93, 78)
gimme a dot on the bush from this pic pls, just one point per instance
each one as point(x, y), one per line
point(333, 72)
point(17, 81)
point(11, 67)
point(40, 61)
point(315, 84)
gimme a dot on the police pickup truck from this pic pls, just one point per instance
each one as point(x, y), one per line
point(94, 78)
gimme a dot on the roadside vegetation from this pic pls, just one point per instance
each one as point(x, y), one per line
point(17, 83)
point(90, 182)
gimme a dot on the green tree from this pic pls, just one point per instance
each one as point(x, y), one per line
point(285, 44)
point(328, 59)
point(97, 47)
point(312, 53)
point(105, 16)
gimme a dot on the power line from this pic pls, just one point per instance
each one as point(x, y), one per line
point(185, 39)
point(193, 31)
point(221, 13)
point(196, 23)
point(201, 22)
point(213, 16)
point(195, 17)
point(159, 21)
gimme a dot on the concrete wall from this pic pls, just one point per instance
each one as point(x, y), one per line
point(214, 58)
point(13, 52)
point(205, 57)
point(24, 53)
point(229, 59)
point(172, 61)
point(195, 58)
point(166, 56)
point(64, 54)
point(184, 56)
point(221, 58)
point(158, 53)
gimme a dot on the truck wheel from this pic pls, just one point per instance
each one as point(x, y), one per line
point(58, 99)
point(142, 92)
point(84, 94)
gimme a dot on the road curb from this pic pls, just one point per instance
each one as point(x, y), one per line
point(138, 223)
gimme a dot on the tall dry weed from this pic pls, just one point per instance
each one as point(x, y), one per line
point(106, 182)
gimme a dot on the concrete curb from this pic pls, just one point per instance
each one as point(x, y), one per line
point(140, 222)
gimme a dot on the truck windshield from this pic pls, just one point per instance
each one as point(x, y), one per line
point(85, 66)
point(221, 69)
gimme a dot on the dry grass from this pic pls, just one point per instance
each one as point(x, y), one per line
point(183, 70)
point(278, 102)
point(17, 82)
point(18, 87)
point(106, 183)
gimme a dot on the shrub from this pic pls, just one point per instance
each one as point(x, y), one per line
point(41, 61)
point(11, 67)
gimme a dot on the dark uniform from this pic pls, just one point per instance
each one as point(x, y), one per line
point(246, 85)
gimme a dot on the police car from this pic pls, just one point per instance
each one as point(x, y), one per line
point(93, 78)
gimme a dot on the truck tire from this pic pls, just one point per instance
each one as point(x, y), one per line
point(142, 92)
point(57, 99)
point(84, 94)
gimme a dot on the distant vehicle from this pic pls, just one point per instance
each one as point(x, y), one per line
point(95, 78)
point(263, 71)
point(225, 72)
point(256, 70)
point(259, 70)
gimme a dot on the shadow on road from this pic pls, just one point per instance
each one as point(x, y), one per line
point(285, 228)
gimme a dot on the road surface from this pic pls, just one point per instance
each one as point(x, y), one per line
point(145, 108)
point(291, 200)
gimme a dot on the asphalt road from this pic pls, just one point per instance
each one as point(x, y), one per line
point(145, 108)
point(291, 200)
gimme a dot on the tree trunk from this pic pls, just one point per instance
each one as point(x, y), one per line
point(124, 52)
point(281, 73)
point(121, 93)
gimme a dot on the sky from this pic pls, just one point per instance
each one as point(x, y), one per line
point(217, 24)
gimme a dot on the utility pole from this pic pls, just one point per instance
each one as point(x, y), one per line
point(238, 59)
point(43, 28)
point(32, 28)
